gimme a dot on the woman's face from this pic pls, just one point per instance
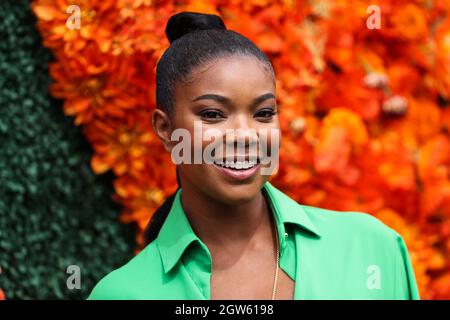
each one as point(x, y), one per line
point(231, 93)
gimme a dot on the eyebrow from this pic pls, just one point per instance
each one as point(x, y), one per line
point(226, 100)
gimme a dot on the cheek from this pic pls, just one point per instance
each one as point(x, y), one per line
point(270, 138)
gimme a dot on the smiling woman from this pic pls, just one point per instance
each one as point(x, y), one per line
point(227, 232)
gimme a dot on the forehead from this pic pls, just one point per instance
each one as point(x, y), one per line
point(238, 77)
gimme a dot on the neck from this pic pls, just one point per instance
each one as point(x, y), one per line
point(215, 223)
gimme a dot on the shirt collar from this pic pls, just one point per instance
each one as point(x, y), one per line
point(288, 210)
point(176, 234)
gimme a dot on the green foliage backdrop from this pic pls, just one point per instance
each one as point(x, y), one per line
point(54, 212)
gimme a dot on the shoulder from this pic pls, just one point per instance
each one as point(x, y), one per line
point(352, 224)
point(335, 226)
point(358, 235)
point(131, 279)
point(360, 244)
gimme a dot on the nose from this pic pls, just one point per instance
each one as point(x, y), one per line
point(241, 137)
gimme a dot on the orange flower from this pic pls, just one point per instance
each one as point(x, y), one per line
point(121, 144)
point(143, 193)
point(403, 77)
point(94, 86)
point(441, 287)
point(334, 92)
point(97, 21)
point(423, 256)
point(408, 22)
point(142, 29)
point(348, 120)
point(342, 134)
point(434, 173)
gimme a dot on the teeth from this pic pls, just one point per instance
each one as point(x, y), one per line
point(248, 164)
point(238, 165)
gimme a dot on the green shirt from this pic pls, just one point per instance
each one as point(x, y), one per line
point(329, 254)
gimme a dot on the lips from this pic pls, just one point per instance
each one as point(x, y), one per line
point(239, 170)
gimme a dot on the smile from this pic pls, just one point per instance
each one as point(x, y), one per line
point(238, 170)
point(237, 165)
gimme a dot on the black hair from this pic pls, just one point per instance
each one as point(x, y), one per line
point(195, 39)
point(159, 216)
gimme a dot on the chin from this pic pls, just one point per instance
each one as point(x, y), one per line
point(237, 193)
point(225, 189)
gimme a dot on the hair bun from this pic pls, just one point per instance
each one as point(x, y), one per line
point(184, 22)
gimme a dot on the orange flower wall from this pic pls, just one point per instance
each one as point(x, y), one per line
point(365, 113)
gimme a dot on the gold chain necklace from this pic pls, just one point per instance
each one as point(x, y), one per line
point(278, 261)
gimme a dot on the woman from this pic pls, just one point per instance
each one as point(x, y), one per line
point(227, 233)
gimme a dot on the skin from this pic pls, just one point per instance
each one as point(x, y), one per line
point(218, 207)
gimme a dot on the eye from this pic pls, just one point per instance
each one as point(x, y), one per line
point(212, 114)
point(265, 114)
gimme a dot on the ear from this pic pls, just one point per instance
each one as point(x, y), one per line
point(163, 128)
